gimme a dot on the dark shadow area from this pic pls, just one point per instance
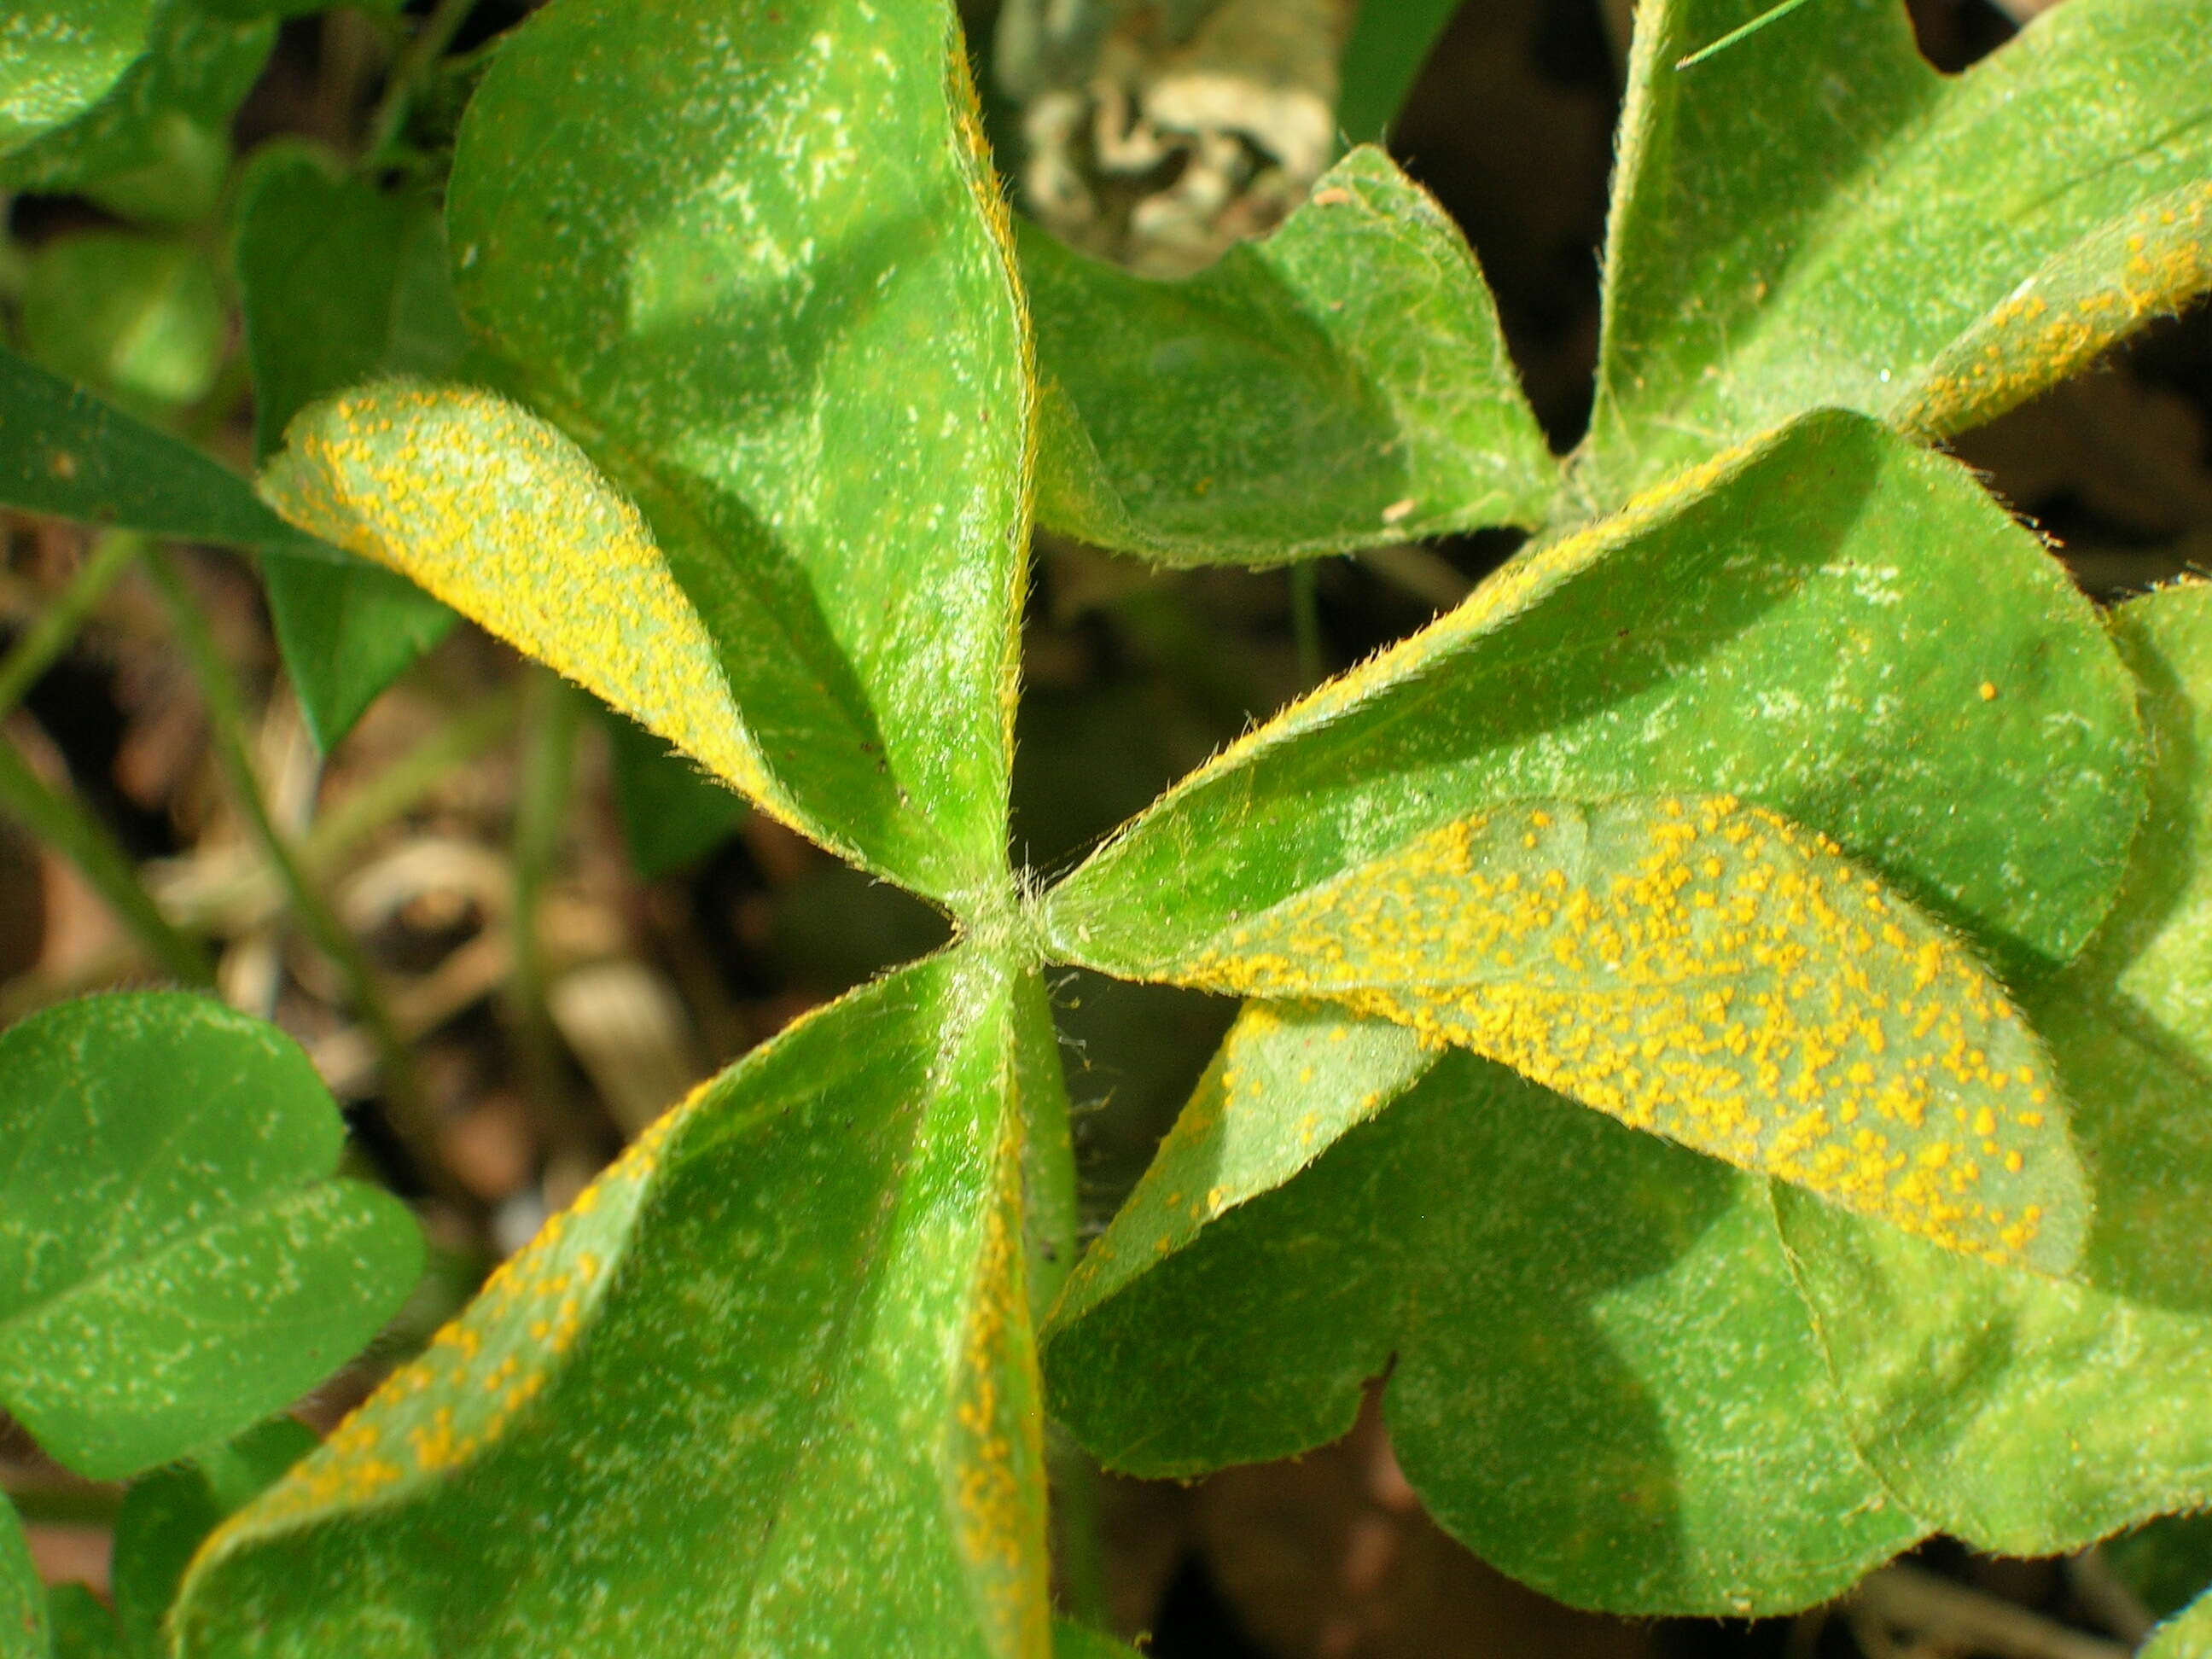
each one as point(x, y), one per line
point(1195, 1623)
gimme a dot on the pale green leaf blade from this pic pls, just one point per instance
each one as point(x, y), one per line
point(2026, 1415)
point(1278, 1146)
point(156, 146)
point(1342, 384)
point(759, 269)
point(1604, 1384)
point(23, 1630)
point(501, 516)
point(1960, 1378)
point(1830, 623)
point(58, 57)
point(137, 318)
point(2152, 953)
point(766, 1388)
point(1390, 41)
point(2186, 1635)
point(329, 272)
point(174, 1262)
point(1813, 217)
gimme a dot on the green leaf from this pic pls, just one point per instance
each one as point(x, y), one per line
point(339, 281)
point(83, 1627)
point(1812, 218)
point(2166, 1563)
point(1073, 1641)
point(758, 268)
point(2187, 1636)
point(174, 1262)
point(166, 1516)
point(23, 1629)
point(157, 147)
point(1341, 384)
point(672, 813)
point(345, 632)
point(766, 1388)
point(258, 8)
point(1604, 1384)
point(2029, 1416)
point(1391, 41)
point(57, 58)
point(2025, 1415)
point(65, 452)
point(138, 319)
point(1832, 624)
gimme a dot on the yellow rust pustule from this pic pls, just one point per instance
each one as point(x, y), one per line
point(1709, 971)
point(501, 516)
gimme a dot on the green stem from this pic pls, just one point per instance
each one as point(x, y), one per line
point(1305, 619)
point(230, 728)
point(56, 629)
point(1050, 1225)
point(1773, 14)
point(428, 46)
point(550, 715)
point(63, 823)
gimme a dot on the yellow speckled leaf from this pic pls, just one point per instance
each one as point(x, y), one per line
point(751, 254)
point(1711, 972)
point(2148, 263)
point(1815, 217)
point(767, 1387)
point(504, 518)
point(2030, 1417)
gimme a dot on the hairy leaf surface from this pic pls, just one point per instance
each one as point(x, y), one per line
point(1340, 384)
point(759, 270)
point(1604, 1381)
point(1710, 972)
point(1830, 623)
point(1815, 217)
point(1959, 1377)
point(767, 1387)
point(499, 514)
point(339, 281)
point(174, 1262)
